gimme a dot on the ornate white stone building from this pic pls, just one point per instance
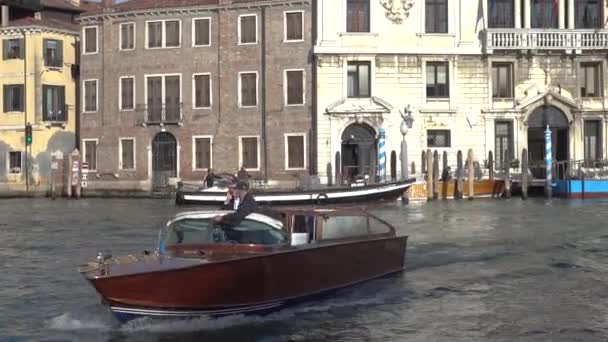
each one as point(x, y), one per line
point(483, 74)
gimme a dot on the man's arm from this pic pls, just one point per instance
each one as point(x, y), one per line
point(247, 207)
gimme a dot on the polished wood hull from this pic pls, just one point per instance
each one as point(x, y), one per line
point(251, 283)
point(337, 195)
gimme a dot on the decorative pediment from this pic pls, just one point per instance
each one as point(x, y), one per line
point(372, 105)
point(397, 10)
point(551, 94)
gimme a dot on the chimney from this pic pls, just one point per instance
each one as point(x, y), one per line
point(4, 16)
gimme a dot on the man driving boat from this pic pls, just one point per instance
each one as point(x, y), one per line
point(239, 199)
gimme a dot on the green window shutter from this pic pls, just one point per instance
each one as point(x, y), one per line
point(45, 100)
point(44, 53)
point(21, 48)
point(22, 97)
point(62, 106)
point(5, 49)
point(60, 52)
point(5, 98)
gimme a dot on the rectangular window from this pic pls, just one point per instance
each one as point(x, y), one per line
point(438, 138)
point(53, 53)
point(590, 79)
point(503, 132)
point(90, 39)
point(544, 13)
point(127, 36)
point(90, 95)
point(588, 14)
point(248, 29)
point(437, 80)
point(163, 34)
point(248, 91)
point(201, 31)
point(357, 16)
point(295, 152)
point(202, 91)
point(127, 154)
point(53, 103)
point(13, 97)
point(359, 80)
point(90, 153)
point(12, 49)
point(14, 162)
point(249, 153)
point(502, 80)
point(436, 16)
point(501, 14)
point(593, 141)
point(294, 21)
point(295, 87)
point(202, 153)
point(127, 93)
point(163, 98)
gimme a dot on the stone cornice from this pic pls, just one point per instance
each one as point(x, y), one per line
point(35, 29)
point(95, 18)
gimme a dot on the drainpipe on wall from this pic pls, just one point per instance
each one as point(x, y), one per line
point(313, 118)
point(4, 16)
point(263, 92)
point(76, 77)
point(27, 164)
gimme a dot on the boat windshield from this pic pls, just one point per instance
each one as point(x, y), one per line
point(203, 231)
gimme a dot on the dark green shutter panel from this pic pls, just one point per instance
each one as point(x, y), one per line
point(60, 52)
point(5, 98)
point(21, 48)
point(62, 106)
point(5, 49)
point(45, 100)
point(22, 98)
point(44, 53)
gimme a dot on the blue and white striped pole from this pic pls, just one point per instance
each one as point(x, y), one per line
point(548, 161)
point(382, 155)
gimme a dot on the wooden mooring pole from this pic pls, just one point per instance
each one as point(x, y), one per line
point(524, 174)
point(435, 175)
point(490, 165)
point(507, 167)
point(429, 175)
point(459, 173)
point(471, 175)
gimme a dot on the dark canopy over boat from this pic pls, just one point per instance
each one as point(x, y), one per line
point(268, 261)
point(330, 195)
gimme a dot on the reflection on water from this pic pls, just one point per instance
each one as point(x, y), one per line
point(490, 270)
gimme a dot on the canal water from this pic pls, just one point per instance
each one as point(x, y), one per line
point(486, 270)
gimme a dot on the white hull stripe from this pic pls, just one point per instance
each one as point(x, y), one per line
point(304, 197)
point(149, 312)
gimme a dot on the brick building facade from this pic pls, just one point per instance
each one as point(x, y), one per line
point(171, 89)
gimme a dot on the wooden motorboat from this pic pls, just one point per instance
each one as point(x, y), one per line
point(355, 193)
point(270, 260)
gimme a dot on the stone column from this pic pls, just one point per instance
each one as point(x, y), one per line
point(561, 22)
point(517, 14)
point(571, 14)
point(527, 14)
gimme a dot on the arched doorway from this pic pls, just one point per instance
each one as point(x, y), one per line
point(358, 151)
point(538, 121)
point(164, 159)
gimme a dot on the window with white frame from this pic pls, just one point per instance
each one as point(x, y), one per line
point(126, 93)
point(248, 29)
point(248, 92)
point(89, 152)
point(163, 96)
point(127, 154)
point(294, 26)
point(14, 97)
point(127, 36)
point(53, 103)
point(14, 162)
point(13, 48)
point(90, 39)
point(437, 80)
point(436, 16)
point(89, 94)
point(249, 153)
point(201, 32)
point(590, 79)
point(295, 151)
point(163, 34)
point(294, 87)
point(502, 80)
point(359, 79)
point(202, 152)
point(201, 86)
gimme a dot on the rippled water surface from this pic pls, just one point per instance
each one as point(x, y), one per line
point(486, 270)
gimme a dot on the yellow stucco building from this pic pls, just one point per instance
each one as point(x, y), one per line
point(38, 77)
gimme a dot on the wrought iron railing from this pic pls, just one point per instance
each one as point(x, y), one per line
point(156, 115)
point(545, 39)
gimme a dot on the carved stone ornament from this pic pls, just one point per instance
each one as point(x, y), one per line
point(397, 10)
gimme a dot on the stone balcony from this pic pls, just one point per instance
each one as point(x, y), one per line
point(569, 40)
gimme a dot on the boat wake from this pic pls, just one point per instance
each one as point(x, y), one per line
point(352, 298)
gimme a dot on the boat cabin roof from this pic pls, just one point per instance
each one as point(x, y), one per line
point(207, 214)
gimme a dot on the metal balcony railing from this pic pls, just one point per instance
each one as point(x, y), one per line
point(59, 114)
point(545, 39)
point(164, 114)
